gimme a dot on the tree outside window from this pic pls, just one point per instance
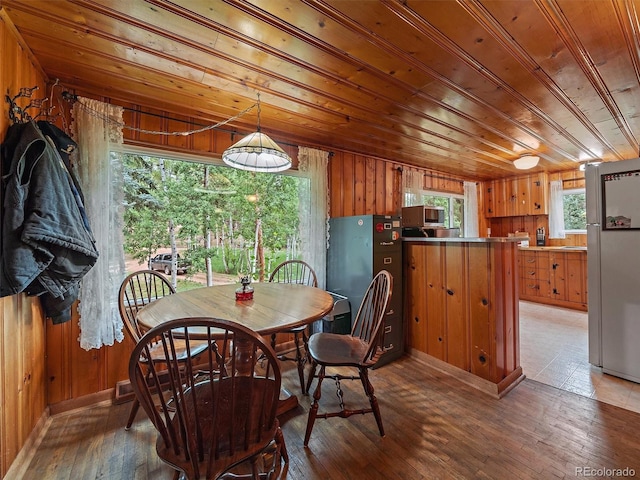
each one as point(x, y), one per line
point(221, 219)
point(575, 210)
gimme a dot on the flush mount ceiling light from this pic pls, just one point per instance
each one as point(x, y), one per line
point(526, 161)
point(257, 153)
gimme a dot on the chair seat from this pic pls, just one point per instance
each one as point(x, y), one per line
point(296, 329)
point(197, 347)
point(337, 350)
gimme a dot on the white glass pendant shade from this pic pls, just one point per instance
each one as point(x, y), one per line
point(526, 161)
point(257, 153)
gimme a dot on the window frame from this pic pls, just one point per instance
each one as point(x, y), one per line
point(435, 193)
point(178, 156)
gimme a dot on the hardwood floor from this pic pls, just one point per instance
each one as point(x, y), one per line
point(437, 428)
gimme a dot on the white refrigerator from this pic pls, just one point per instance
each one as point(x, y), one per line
point(613, 256)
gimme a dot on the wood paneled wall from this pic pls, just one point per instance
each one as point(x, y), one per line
point(22, 327)
point(361, 185)
point(42, 364)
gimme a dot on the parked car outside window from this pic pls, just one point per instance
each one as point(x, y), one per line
point(162, 262)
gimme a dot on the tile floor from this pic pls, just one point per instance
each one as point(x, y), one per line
point(554, 351)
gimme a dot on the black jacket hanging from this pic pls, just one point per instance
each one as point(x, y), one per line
point(47, 246)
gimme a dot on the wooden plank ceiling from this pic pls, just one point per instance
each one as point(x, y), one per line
point(464, 87)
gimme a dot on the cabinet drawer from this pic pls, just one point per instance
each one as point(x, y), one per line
point(527, 258)
point(531, 288)
point(543, 274)
point(534, 273)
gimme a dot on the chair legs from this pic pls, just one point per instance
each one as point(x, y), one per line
point(300, 359)
point(343, 412)
point(132, 413)
point(373, 401)
point(313, 410)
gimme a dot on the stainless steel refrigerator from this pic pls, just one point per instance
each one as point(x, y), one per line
point(613, 255)
point(359, 247)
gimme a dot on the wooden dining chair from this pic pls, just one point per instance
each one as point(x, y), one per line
point(218, 412)
point(137, 290)
point(360, 350)
point(295, 271)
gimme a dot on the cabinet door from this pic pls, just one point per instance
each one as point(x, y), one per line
point(511, 196)
point(538, 187)
point(558, 274)
point(575, 275)
point(500, 198)
point(488, 199)
point(523, 198)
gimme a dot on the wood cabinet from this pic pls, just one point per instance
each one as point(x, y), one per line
point(461, 305)
point(539, 194)
point(554, 276)
point(534, 274)
point(516, 196)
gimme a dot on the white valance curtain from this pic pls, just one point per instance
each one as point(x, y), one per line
point(314, 209)
point(556, 210)
point(98, 132)
point(470, 210)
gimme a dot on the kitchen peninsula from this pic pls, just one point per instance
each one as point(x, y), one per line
point(462, 308)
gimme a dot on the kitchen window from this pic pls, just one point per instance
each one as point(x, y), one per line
point(453, 206)
point(574, 205)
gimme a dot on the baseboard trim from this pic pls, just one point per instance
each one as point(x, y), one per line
point(82, 402)
point(496, 390)
point(22, 461)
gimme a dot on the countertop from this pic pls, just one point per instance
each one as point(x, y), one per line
point(461, 239)
point(566, 248)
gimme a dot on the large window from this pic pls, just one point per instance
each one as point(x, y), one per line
point(223, 221)
point(575, 210)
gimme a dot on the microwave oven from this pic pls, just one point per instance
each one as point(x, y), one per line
point(421, 216)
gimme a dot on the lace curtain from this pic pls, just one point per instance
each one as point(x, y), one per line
point(98, 132)
point(314, 209)
point(470, 210)
point(412, 187)
point(556, 210)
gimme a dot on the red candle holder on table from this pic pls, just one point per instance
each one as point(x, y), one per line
point(245, 292)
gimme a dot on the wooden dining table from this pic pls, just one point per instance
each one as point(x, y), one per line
point(275, 307)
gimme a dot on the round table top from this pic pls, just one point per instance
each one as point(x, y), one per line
point(275, 306)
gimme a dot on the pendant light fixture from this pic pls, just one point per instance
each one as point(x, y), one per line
point(257, 153)
point(526, 161)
